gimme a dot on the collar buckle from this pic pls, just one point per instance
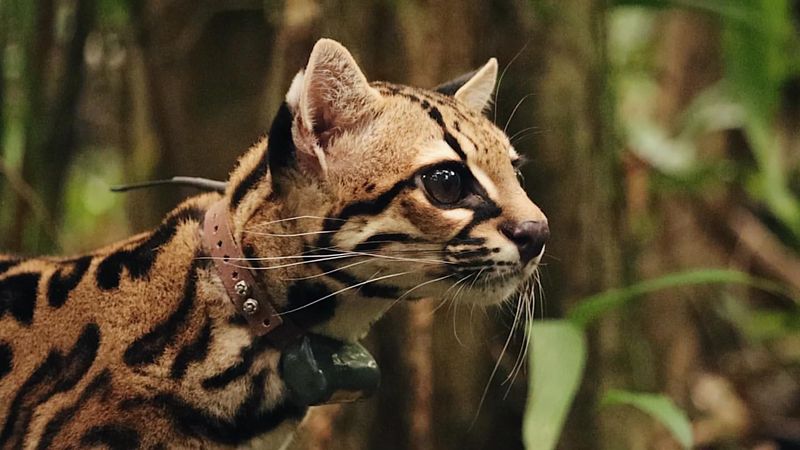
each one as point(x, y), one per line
point(236, 274)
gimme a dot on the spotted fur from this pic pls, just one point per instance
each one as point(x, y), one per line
point(136, 345)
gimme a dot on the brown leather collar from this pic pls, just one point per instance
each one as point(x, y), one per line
point(247, 296)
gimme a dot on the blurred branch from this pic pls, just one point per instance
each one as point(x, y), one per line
point(765, 247)
point(55, 74)
point(27, 194)
point(194, 25)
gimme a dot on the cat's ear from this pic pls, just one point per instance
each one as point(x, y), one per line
point(329, 97)
point(475, 89)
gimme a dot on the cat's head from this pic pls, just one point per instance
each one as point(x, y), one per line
point(373, 192)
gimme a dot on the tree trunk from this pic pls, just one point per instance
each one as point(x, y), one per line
point(53, 77)
point(574, 114)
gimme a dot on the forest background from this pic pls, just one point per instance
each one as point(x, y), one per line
point(664, 146)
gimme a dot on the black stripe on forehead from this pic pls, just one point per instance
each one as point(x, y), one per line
point(424, 99)
point(451, 140)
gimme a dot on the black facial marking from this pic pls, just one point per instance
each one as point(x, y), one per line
point(471, 253)
point(476, 263)
point(410, 97)
point(63, 281)
point(453, 143)
point(469, 240)
point(113, 436)
point(373, 290)
point(6, 359)
point(6, 264)
point(484, 211)
point(448, 137)
point(239, 369)
point(365, 207)
point(147, 348)
point(377, 240)
point(481, 214)
point(303, 293)
point(249, 421)
point(57, 373)
point(98, 385)
point(18, 296)
point(195, 351)
point(140, 259)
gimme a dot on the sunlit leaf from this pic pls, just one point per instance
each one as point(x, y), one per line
point(595, 306)
point(658, 406)
point(558, 356)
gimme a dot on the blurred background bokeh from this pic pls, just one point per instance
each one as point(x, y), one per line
point(664, 145)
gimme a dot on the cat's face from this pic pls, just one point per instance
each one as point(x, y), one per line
point(397, 192)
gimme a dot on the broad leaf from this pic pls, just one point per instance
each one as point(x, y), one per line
point(557, 359)
point(658, 406)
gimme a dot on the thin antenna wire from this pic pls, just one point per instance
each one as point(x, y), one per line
point(199, 183)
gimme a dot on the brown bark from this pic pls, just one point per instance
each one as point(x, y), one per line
point(54, 76)
point(573, 110)
point(205, 67)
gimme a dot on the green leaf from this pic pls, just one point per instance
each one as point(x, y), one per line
point(660, 407)
point(595, 306)
point(557, 359)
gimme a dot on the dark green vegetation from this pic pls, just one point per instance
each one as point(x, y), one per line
point(664, 146)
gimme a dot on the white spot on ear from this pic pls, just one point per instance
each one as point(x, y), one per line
point(296, 88)
point(477, 92)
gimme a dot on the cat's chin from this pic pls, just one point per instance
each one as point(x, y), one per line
point(499, 288)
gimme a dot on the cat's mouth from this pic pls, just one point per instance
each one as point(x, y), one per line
point(491, 283)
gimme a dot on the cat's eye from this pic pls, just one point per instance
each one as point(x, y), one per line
point(443, 184)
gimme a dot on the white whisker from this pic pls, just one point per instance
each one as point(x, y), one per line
point(357, 285)
point(514, 111)
point(328, 272)
point(500, 80)
point(308, 233)
point(288, 219)
point(397, 300)
point(497, 364)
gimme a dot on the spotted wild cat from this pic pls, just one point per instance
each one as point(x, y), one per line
point(365, 194)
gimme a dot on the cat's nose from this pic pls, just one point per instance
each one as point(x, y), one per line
point(530, 237)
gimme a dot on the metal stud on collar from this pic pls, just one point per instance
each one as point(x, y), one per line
point(249, 298)
point(250, 306)
point(241, 287)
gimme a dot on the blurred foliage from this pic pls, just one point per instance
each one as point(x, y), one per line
point(761, 56)
point(558, 357)
point(658, 406)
